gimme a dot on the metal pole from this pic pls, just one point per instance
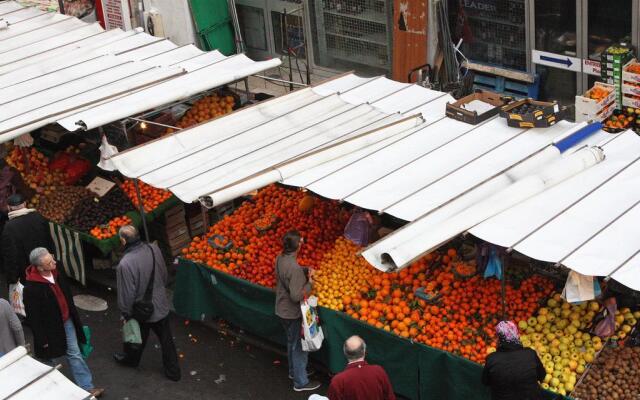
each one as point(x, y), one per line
point(505, 263)
point(141, 208)
point(268, 78)
point(205, 217)
point(286, 41)
point(125, 132)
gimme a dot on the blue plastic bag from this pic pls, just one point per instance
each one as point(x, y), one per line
point(494, 265)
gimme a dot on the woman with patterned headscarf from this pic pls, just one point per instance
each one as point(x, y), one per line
point(512, 371)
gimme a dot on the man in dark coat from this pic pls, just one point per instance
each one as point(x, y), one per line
point(53, 317)
point(133, 275)
point(25, 230)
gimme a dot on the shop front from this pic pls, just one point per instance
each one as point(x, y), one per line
point(559, 41)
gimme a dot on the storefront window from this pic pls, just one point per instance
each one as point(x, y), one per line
point(609, 23)
point(555, 26)
point(492, 31)
point(252, 27)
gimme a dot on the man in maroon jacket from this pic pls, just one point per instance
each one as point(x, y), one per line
point(359, 380)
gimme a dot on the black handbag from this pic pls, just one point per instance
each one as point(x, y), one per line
point(143, 309)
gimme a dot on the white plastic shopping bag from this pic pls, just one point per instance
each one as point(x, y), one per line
point(313, 336)
point(578, 288)
point(15, 298)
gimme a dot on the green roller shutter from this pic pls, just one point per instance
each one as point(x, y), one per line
point(213, 25)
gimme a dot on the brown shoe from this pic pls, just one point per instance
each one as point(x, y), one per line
point(96, 392)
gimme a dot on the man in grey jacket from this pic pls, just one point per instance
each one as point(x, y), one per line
point(11, 334)
point(293, 283)
point(133, 275)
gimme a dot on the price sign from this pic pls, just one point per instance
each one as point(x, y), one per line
point(100, 186)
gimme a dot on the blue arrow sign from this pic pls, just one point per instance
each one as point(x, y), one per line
point(566, 62)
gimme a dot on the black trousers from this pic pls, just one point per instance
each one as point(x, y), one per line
point(162, 329)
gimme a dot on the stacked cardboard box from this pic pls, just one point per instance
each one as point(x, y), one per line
point(176, 230)
point(631, 84)
point(596, 109)
point(611, 62)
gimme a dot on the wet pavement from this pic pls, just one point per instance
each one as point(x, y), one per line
point(215, 365)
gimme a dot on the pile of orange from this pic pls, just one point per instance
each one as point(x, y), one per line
point(205, 109)
point(463, 318)
point(598, 93)
point(110, 229)
point(151, 197)
point(246, 243)
point(341, 274)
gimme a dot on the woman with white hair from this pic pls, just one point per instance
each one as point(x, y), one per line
point(53, 317)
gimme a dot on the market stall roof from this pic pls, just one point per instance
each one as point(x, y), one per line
point(24, 378)
point(56, 68)
point(198, 161)
point(588, 223)
point(417, 169)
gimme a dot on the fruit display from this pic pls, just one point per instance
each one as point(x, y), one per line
point(557, 334)
point(633, 68)
point(529, 113)
point(94, 211)
point(428, 303)
point(205, 109)
point(109, 229)
point(614, 375)
point(598, 93)
point(34, 168)
point(627, 118)
point(246, 243)
point(151, 196)
point(58, 205)
point(341, 273)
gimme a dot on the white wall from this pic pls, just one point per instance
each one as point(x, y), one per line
point(177, 20)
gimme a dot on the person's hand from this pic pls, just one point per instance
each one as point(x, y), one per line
point(44, 346)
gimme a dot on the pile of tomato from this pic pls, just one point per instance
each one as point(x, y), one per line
point(246, 243)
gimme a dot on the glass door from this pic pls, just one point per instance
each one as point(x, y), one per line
point(605, 22)
point(556, 46)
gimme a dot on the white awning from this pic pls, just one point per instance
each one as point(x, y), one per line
point(199, 161)
point(56, 68)
point(589, 223)
point(24, 378)
point(427, 171)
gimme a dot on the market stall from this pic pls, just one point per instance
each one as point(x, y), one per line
point(430, 310)
point(60, 72)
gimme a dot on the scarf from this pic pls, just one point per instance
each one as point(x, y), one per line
point(508, 334)
point(20, 212)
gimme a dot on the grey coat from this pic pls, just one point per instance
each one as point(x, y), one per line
point(133, 274)
point(292, 285)
point(11, 334)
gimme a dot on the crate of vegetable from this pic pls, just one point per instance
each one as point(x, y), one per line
point(621, 120)
point(529, 113)
point(94, 211)
point(59, 204)
point(597, 103)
